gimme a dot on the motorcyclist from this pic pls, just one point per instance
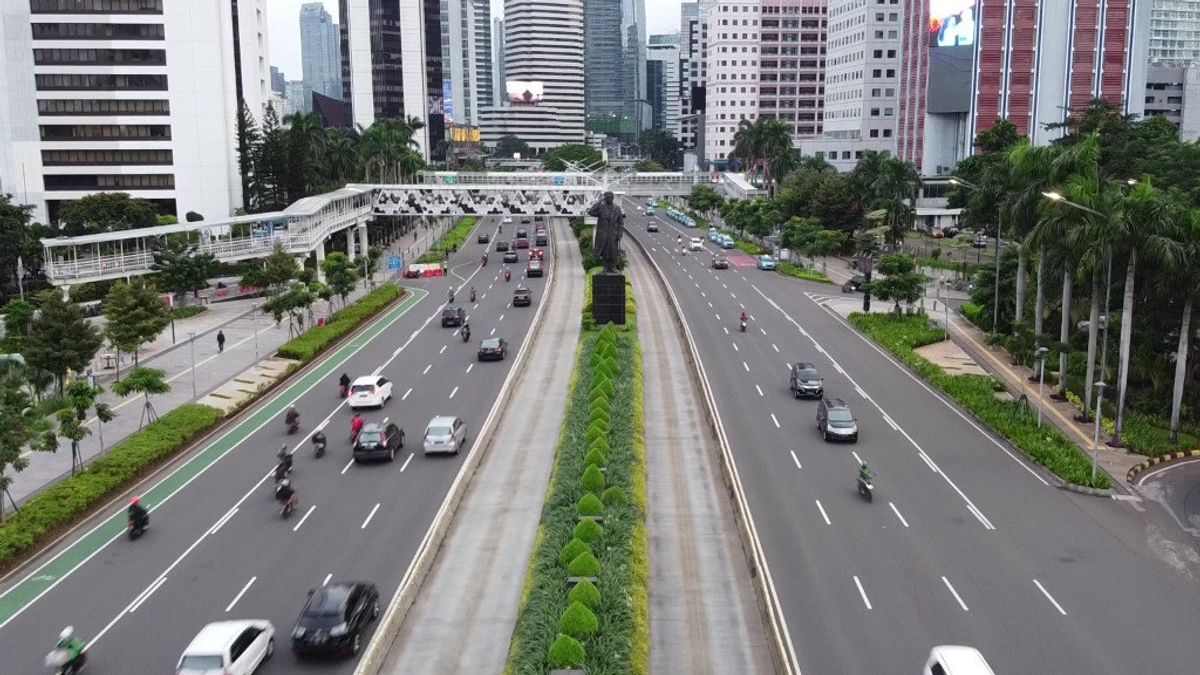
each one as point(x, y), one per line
point(285, 458)
point(292, 417)
point(507, 275)
point(344, 382)
point(72, 647)
point(472, 294)
point(138, 513)
point(356, 425)
point(864, 473)
point(485, 258)
point(450, 295)
point(285, 493)
point(744, 318)
point(466, 331)
point(319, 441)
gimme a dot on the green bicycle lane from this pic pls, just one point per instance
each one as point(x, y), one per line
point(40, 581)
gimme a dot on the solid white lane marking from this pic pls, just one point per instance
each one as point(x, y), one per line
point(405, 466)
point(304, 517)
point(452, 393)
point(822, 510)
point(928, 462)
point(426, 371)
point(224, 519)
point(327, 579)
point(795, 458)
point(891, 423)
point(240, 594)
point(955, 594)
point(347, 467)
point(469, 368)
point(146, 594)
point(1050, 597)
point(736, 348)
point(369, 517)
point(405, 396)
point(775, 420)
point(773, 346)
point(760, 391)
point(897, 512)
point(443, 349)
point(863, 593)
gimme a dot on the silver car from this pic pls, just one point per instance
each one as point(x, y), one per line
point(445, 434)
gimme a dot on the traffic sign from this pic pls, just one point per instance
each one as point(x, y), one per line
point(559, 180)
point(395, 262)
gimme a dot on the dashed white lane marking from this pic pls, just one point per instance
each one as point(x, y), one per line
point(822, 510)
point(146, 594)
point(426, 371)
point(369, 517)
point(795, 458)
point(863, 593)
point(760, 391)
point(775, 347)
point(710, 305)
point(501, 318)
point(897, 512)
point(736, 348)
point(1050, 597)
point(405, 466)
point(763, 331)
point(452, 393)
point(304, 518)
point(726, 329)
point(328, 578)
point(857, 459)
point(493, 332)
point(443, 349)
point(469, 368)
point(955, 594)
point(347, 467)
point(745, 366)
point(405, 396)
point(240, 594)
point(775, 420)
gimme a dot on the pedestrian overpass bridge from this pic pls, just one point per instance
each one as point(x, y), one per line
point(304, 226)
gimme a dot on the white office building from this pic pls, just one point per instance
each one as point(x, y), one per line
point(466, 59)
point(731, 53)
point(1175, 32)
point(662, 81)
point(692, 75)
point(497, 62)
point(98, 97)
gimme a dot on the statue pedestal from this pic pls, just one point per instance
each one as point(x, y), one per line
point(608, 298)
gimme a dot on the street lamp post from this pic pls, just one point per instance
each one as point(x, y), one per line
point(192, 348)
point(1040, 353)
point(1096, 435)
point(254, 315)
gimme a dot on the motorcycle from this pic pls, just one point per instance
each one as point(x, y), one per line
point(61, 663)
point(293, 423)
point(507, 275)
point(485, 260)
point(136, 528)
point(466, 334)
point(865, 488)
point(743, 324)
point(450, 297)
point(319, 446)
point(472, 295)
point(344, 390)
point(286, 506)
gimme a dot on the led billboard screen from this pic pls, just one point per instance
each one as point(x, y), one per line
point(523, 92)
point(951, 23)
point(951, 56)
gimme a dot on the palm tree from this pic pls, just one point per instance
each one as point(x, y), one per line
point(341, 156)
point(306, 140)
point(1183, 277)
point(747, 144)
point(896, 190)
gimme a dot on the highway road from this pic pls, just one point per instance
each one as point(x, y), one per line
point(217, 548)
point(965, 542)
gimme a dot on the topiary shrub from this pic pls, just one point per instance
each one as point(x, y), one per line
point(589, 505)
point(588, 531)
point(614, 495)
point(601, 405)
point(586, 593)
point(595, 457)
point(596, 432)
point(572, 551)
point(578, 621)
point(601, 414)
point(592, 480)
point(584, 565)
point(601, 445)
point(566, 652)
point(602, 389)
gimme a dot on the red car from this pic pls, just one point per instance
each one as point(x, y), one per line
point(537, 254)
point(523, 242)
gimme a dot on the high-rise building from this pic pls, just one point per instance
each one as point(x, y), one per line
point(320, 52)
point(1173, 93)
point(466, 59)
point(615, 67)
point(543, 67)
point(278, 80)
point(662, 81)
point(297, 98)
point(1175, 32)
point(497, 61)
point(692, 75)
point(128, 97)
point(392, 64)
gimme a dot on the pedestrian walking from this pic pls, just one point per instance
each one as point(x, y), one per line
point(220, 341)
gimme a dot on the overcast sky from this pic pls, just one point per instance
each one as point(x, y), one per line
point(283, 19)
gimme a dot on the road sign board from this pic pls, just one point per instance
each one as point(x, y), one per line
point(559, 180)
point(395, 262)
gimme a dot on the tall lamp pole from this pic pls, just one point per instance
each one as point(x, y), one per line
point(1040, 354)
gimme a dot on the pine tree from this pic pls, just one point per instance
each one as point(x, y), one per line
point(135, 315)
point(59, 338)
point(271, 164)
point(248, 139)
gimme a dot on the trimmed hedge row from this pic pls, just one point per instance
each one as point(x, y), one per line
point(593, 527)
point(187, 311)
point(1045, 445)
point(452, 240)
point(793, 270)
point(309, 345)
point(62, 504)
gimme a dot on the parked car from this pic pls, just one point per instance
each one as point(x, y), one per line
point(765, 262)
point(228, 647)
point(950, 232)
point(980, 241)
point(854, 284)
point(805, 381)
point(378, 441)
point(501, 246)
point(720, 262)
point(534, 269)
point(522, 297)
point(445, 434)
point(511, 256)
point(483, 238)
point(334, 618)
point(452, 317)
point(835, 421)
point(714, 234)
point(493, 349)
point(370, 391)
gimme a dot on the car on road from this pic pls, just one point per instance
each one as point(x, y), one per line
point(378, 441)
point(649, 210)
point(696, 244)
point(522, 297)
point(521, 242)
point(493, 349)
point(334, 619)
point(541, 238)
point(764, 262)
point(522, 233)
point(506, 220)
point(228, 647)
point(511, 256)
point(720, 262)
point(483, 238)
point(652, 226)
point(726, 241)
point(835, 420)
point(980, 241)
point(453, 317)
point(534, 269)
point(714, 234)
point(950, 232)
point(445, 433)
point(537, 253)
point(370, 391)
point(501, 246)
point(956, 660)
point(805, 381)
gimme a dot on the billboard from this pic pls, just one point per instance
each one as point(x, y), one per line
point(951, 23)
point(464, 134)
point(523, 92)
point(448, 101)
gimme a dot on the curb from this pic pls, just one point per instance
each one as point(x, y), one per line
point(1169, 458)
point(780, 644)
point(422, 562)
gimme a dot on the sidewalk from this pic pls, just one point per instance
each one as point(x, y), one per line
point(250, 338)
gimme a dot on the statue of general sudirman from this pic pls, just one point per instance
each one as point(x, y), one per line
point(610, 221)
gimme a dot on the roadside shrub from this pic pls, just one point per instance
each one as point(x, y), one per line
point(601, 416)
point(588, 531)
point(585, 593)
point(601, 405)
point(578, 621)
point(584, 565)
point(972, 312)
point(595, 432)
point(187, 311)
point(589, 505)
point(592, 480)
point(602, 389)
point(566, 652)
point(595, 457)
point(316, 340)
point(793, 270)
point(614, 495)
point(572, 551)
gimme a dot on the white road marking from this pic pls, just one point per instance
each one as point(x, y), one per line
point(328, 577)
point(734, 295)
point(745, 366)
point(426, 371)
point(1050, 597)
point(718, 316)
point(469, 368)
point(224, 519)
point(856, 457)
point(369, 517)
point(493, 332)
point(795, 458)
point(726, 329)
point(452, 393)
point(774, 347)
point(240, 594)
point(724, 286)
point(955, 594)
point(703, 294)
point(501, 318)
point(405, 396)
point(863, 593)
point(347, 467)
point(929, 462)
point(891, 423)
point(775, 420)
point(763, 331)
point(710, 305)
point(822, 510)
point(902, 520)
point(736, 348)
point(760, 391)
point(405, 466)
point(443, 349)
point(304, 518)
point(145, 595)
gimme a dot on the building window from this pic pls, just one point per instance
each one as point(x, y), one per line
point(105, 132)
point(67, 106)
point(96, 6)
point(107, 158)
point(99, 57)
point(86, 182)
point(61, 82)
point(97, 31)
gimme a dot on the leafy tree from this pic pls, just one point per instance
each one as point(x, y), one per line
point(510, 145)
point(826, 242)
point(59, 339)
point(135, 315)
point(21, 425)
point(704, 199)
point(765, 145)
point(340, 274)
point(80, 398)
point(662, 147)
point(18, 238)
point(276, 271)
point(901, 283)
point(800, 233)
point(648, 166)
point(144, 381)
point(105, 212)
point(18, 314)
point(182, 269)
point(834, 204)
point(583, 155)
point(292, 303)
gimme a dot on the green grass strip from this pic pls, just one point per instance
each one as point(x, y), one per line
point(793, 270)
point(451, 241)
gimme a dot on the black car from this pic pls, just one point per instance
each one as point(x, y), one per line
point(652, 226)
point(493, 349)
point(377, 441)
point(501, 246)
point(835, 420)
point(720, 262)
point(522, 233)
point(335, 617)
point(483, 238)
point(805, 381)
point(522, 297)
point(453, 317)
point(511, 257)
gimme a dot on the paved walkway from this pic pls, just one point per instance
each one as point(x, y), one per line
point(250, 337)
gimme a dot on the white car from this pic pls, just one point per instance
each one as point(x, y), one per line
point(507, 220)
point(697, 244)
point(370, 391)
point(445, 434)
point(228, 648)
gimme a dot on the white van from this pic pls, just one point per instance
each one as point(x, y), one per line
point(956, 660)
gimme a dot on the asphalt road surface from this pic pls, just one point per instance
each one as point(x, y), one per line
point(217, 548)
point(965, 542)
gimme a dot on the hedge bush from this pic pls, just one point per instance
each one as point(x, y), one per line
point(589, 505)
point(595, 457)
point(584, 565)
point(614, 496)
point(47, 513)
point(592, 480)
point(566, 652)
point(588, 531)
point(578, 621)
point(306, 347)
point(572, 551)
point(792, 270)
point(452, 240)
point(585, 593)
point(187, 311)
point(1045, 445)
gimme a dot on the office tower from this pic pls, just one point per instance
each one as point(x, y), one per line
point(497, 62)
point(102, 99)
point(466, 59)
point(615, 67)
point(1174, 32)
point(320, 52)
point(662, 81)
point(278, 80)
point(692, 75)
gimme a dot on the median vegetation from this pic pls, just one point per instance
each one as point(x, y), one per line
point(585, 602)
point(794, 270)
point(451, 241)
point(1013, 420)
point(309, 345)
